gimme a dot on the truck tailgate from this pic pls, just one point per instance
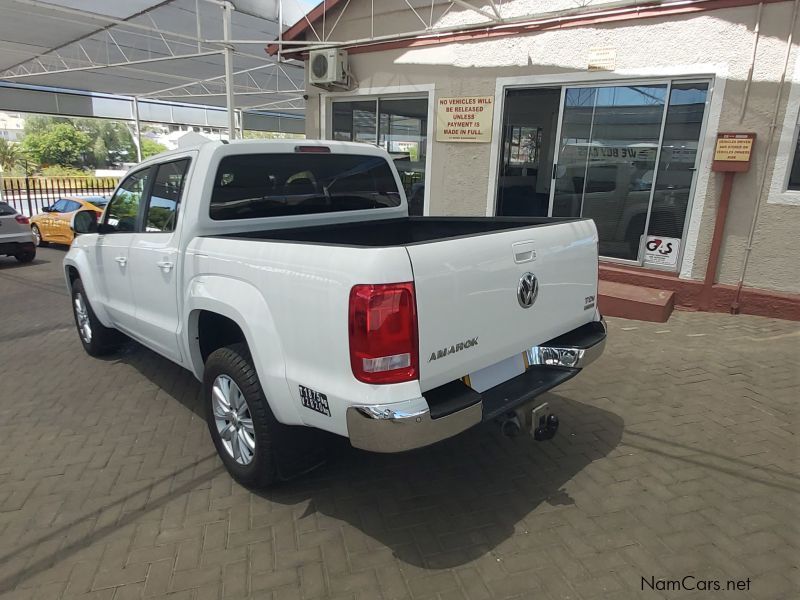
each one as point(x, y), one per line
point(469, 309)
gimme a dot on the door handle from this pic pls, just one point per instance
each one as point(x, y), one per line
point(121, 260)
point(523, 251)
point(165, 265)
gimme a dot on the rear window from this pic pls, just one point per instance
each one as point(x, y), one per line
point(275, 185)
point(6, 210)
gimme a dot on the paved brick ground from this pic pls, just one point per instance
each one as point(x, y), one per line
point(677, 455)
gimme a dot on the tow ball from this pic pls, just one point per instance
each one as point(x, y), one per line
point(539, 421)
point(544, 424)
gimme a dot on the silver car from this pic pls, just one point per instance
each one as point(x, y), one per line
point(16, 238)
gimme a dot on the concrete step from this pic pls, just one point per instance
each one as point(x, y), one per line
point(635, 302)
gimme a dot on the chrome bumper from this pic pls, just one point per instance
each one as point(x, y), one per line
point(574, 357)
point(405, 426)
point(379, 429)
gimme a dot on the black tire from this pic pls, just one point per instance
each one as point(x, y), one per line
point(37, 236)
point(101, 340)
point(26, 256)
point(234, 361)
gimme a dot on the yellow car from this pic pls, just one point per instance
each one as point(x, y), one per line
point(53, 224)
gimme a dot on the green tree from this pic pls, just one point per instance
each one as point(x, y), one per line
point(10, 156)
point(57, 144)
point(150, 148)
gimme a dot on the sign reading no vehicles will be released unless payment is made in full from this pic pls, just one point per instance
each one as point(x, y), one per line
point(464, 119)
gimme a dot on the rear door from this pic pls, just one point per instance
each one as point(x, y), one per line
point(153, 260)
point(485, 298)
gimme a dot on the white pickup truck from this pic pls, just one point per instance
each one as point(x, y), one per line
point(289, 278)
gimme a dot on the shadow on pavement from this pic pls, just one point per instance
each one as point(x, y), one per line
point(437, 507)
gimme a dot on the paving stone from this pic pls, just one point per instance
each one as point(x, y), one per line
point(677, 455)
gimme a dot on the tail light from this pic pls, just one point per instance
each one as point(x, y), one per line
point(383, 333)
point(23, 220)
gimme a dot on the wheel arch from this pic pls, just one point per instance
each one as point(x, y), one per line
point(220, 311)
point(76, 267)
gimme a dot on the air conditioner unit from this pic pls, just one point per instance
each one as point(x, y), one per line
point(328, 68)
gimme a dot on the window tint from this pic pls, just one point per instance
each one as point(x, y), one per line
point(165, 196)
point(275, 185)
point(124, 206)
point(6, 210)
point(71, 206)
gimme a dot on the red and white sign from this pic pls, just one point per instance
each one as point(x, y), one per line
point(661, 251)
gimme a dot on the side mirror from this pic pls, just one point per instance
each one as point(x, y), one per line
point(47, 209)
point(84, 221)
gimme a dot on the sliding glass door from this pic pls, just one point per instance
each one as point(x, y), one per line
point(626, 158)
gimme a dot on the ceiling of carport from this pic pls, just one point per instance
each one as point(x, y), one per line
point(169, 50)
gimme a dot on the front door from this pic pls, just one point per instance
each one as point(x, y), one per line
point(119, 227)
point(153, 262)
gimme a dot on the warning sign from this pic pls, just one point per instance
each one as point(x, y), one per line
point(661, 251)
point(734, 147)
point(464, 119)
point(602, 59)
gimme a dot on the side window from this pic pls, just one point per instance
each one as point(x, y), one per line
point(124, 206)
point(165, 196)
point(59, 206)
point(71, 206)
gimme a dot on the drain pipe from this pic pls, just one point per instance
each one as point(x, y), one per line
point(770, 137)
point(756, 36)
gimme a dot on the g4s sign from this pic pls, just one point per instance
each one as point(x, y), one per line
point(661, 250)
point(659, 245)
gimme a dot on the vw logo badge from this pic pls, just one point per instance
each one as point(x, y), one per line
point(528, 290)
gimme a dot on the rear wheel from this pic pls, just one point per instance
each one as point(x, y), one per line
point(37, 235)
point(96, 339)
point(239, 418)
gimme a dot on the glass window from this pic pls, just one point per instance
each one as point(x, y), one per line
point(71, 206)
point(794, 174)
point(354, 121)
point(401, 125)
point(123, 209)
point(60, 206)
point(403, 134)
point(165, 196)
point(676, 164)
point(6, 210)
point(253, 186)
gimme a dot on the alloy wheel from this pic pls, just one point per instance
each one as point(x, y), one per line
point(82, 315)
point(233, 420)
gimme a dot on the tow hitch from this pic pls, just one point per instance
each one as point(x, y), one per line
point(544, 424)
point(539, 421)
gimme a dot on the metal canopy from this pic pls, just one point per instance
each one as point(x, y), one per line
point(170, 50)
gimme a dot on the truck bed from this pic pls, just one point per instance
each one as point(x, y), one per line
point(397, 232)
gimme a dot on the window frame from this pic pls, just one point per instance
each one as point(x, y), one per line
point(144, 208)
point(142, 201)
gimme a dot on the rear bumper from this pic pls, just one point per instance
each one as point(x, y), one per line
point(12, 248)
point(454, 407)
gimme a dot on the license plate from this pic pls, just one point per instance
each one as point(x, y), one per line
point(495, 374)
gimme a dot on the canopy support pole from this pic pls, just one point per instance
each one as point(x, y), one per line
point(227, 9)
point(137, 130)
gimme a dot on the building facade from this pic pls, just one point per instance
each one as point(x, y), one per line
point(609, 111)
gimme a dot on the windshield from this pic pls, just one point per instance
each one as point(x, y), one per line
point(273, 185)
point(6, 210)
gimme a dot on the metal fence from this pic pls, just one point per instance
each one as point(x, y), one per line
point(29, 194)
